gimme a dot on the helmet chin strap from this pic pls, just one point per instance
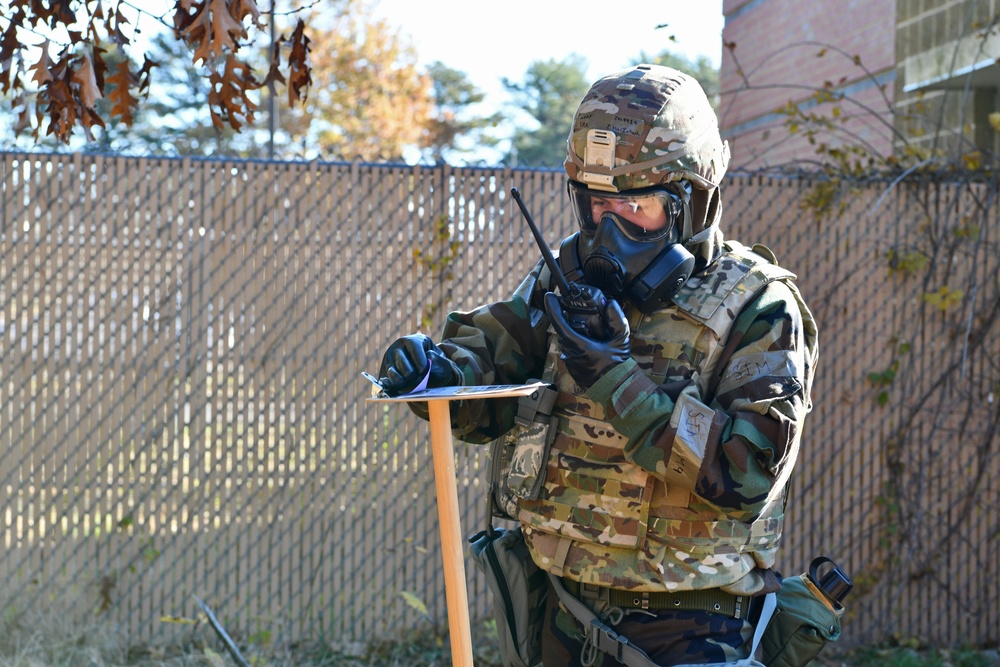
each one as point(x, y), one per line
point(687, 226)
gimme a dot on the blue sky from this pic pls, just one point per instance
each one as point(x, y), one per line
point(493, 40)
point(490, 41)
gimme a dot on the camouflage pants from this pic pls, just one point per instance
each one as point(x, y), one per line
point(668, 637)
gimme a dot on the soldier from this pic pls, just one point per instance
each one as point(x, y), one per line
point(679, 406)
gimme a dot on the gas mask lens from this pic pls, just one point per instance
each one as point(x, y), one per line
point(643, 215)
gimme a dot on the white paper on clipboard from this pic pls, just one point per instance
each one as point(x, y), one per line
point(454, 393)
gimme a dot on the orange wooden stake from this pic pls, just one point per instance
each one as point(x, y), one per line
point(456, 595)
point(443, 452)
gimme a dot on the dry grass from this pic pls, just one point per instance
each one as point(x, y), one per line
point(48, 640)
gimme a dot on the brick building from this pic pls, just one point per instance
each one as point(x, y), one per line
point(902, 76)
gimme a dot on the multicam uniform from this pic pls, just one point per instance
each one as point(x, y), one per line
point(668, 473)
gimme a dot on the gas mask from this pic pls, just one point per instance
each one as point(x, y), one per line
point(627, 244)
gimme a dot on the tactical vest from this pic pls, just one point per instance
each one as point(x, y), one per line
point(602, 520)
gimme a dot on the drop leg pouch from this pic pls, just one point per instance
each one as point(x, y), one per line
point(518, 589)
point(803, 623)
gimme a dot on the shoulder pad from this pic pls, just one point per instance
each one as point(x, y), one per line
point(765, 252)
point(733, 279)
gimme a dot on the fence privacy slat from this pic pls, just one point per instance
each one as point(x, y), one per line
point(182, 413)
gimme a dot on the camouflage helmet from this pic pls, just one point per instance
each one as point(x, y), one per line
point(656, 124)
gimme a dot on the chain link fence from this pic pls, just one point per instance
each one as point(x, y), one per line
point(182, 411)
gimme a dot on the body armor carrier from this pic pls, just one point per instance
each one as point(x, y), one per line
point(591, 515)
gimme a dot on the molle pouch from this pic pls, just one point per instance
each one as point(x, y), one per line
point(804, 622)
point(517, 459)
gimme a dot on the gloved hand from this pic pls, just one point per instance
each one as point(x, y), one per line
point(411, 359)
point(588, 359)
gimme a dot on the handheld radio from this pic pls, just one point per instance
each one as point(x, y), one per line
point(582, 304)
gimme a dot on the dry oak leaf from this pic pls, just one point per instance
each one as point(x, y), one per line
point(122, 101)
point(115, 29)
point(62, 108)
point(42, 74)
point(214, 29)
point(274, 73)
point(229, 94)
point(299, 78)
point(86, 79)
point(10, 43)
point(145, 75)
point(243, 8)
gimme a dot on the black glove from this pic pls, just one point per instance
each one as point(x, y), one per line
point(588, 359)
point(407, 362)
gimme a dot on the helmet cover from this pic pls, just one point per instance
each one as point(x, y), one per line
point(664, 129)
